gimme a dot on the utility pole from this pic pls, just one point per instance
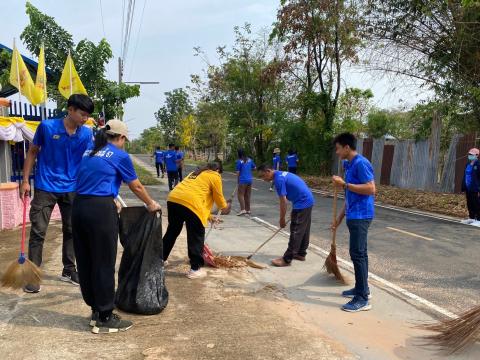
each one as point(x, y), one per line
point(120, 76)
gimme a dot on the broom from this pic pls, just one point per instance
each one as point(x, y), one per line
point(22, 272)
point(207, 254)
point(454, 335)
point(331, 264)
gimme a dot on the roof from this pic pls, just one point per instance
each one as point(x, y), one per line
point(32, 66)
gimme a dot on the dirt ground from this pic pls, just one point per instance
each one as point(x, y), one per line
point(225, 316)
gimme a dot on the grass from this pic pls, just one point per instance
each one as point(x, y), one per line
point(145, 177)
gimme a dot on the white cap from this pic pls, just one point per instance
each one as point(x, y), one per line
point(116, 127)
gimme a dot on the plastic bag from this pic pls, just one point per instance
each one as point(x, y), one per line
point(141, 277)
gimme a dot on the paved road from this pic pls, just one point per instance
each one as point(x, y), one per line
point(435, 259)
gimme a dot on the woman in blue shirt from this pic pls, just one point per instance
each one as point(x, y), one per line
point(471, 186)
point(95, 221)
point(244, 167)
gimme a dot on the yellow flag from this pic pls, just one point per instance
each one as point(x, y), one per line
point(20, 77)
point(41, 80)
point(70, 82)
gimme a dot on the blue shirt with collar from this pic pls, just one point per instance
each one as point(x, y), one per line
point(292, 160)
point(102, 174)
point(59, 156)
point(245, 168)
point(180, 156)
point(171, 160)
point(294, 188)
point(277, 162)
point(159, 156)
point(357, 206)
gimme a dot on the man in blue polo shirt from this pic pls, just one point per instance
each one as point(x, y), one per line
point(359, 186)
point(171, 165)
point(292, 161)
point(159, 159)
point(292, 188)
point(58, 147)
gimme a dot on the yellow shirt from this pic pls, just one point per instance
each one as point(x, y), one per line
point(198, 193)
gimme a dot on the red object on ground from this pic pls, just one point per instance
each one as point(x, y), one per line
point(208, 256)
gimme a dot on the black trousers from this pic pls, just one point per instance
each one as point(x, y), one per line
point(292, 170)
point(40, 211)
point(177, 215)
point(95, 236)
point(172, 179)
point(180, 174)
point(473, 205)
point(159, 166)
point(299, 233)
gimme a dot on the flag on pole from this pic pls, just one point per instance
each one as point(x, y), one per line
point(20, 76)
point(41, 80)
point(70, 82)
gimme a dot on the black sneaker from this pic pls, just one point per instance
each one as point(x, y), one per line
point(32, 289)
point(94, 318)
point(113, 324)
point(70, 276)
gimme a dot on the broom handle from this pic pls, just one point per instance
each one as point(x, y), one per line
point(266, 241)
point(219, 212)
point(334, 232)
point(24, 225)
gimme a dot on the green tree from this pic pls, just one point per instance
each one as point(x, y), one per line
point(177, 106)
point(353, 107)
point(149, 139)
point(212, 126)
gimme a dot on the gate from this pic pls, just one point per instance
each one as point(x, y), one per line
point(387, 162)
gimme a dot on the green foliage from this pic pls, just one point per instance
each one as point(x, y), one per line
point(177, 106)
point(353, 107)
point(145, 176)
point(378, 124)
point(149, 139)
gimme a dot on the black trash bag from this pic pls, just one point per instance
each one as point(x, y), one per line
point(141, 277)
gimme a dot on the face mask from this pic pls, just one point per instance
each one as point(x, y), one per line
point(472, 157)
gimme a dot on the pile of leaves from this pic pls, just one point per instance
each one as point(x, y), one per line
point(441, 203)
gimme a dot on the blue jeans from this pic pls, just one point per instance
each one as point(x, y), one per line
point(358, 253)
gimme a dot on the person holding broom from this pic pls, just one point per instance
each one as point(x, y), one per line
point(359, 186)
point(57, 146)
point(292, 188)
point(95, 221)
point(191, 202)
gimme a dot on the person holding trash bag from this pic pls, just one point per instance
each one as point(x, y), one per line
point(191, 202)
point(95, 221)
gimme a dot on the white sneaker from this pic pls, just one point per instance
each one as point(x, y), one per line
point(196, 274)
point(243, 212)
point(468, 221)
point(271, 189)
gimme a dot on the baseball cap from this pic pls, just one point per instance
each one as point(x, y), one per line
point(276, 151)
point(116, 127)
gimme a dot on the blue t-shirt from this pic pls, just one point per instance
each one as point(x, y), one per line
point(245, 168)
point(159, 155)
point(468, 176)
point(179, 157)
point(292, 160)
point(171, 160)
point(59, 156)
point(358, 171)
point(103, 173)
point(276, 162)
point(294, 188)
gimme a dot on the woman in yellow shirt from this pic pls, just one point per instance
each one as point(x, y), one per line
point(191, 202)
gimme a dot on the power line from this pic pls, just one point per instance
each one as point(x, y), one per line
point(103, 24)
point(123, 25)
point(138, 37)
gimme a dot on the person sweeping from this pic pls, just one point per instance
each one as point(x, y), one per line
point(359, 186)
point(471, 187)
point(244, 167)
point(57, 146)
point(277, 161)
point(191, 202)
point(292, 188)
point(95, 221)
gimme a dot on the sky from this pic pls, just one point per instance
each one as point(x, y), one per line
point(162, 41)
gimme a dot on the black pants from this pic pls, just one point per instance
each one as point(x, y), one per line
point(95, 235)
point(292, 170)
point(177, 215)
point(172, 179)
point(473, 205)
point(180, 174)
point(358, 253)
point(159, 167)
point(299, 233)
point(40, 211)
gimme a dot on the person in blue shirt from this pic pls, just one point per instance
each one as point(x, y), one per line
point(277, 162)
point(244, 167)
point(159, 161)
point(180, 156)
point(359, 186)
point(291, 187)
point(171, 165)
point(292, 161)
point(57, 147)
point(471, 187)
point(102, 170)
